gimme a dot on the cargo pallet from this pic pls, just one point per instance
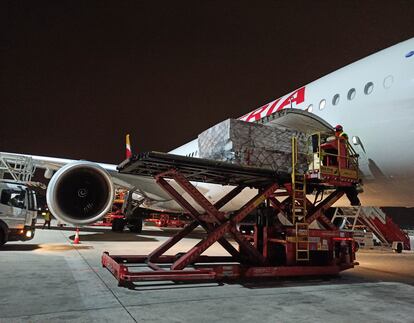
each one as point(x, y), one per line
point(276, 250)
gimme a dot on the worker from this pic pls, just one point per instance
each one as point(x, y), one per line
point(48, 218)
point(336, 147)
point(338, 130)
point(342, 138)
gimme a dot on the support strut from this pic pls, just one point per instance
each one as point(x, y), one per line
point(249, 260)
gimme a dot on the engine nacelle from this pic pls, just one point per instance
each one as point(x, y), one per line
point(80, 193)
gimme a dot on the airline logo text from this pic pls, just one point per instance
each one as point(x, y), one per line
point(295, 98)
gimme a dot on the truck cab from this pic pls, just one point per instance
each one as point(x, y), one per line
point(18, 211)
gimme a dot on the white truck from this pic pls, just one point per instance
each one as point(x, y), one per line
point(18, 211)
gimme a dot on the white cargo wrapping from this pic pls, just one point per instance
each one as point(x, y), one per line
point(252, 144)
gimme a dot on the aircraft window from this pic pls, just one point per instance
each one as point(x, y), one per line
point(351, 94)
point(388, 81)
point(368, 88)
point(335, 99)
point(322, 104)
point(310, 108)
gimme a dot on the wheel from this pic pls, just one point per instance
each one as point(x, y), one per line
point(118, 225)
point(3, 233)
point(399, 248)
point(136, 226)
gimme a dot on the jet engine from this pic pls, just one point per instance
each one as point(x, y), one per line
point(80, 193)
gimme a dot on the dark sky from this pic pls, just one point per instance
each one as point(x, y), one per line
point(75, 76)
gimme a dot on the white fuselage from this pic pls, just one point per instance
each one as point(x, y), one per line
point(373, 99)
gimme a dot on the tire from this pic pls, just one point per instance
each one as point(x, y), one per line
point(3, 233)
point(118, 225)
point(136, 226)
point(399, 248)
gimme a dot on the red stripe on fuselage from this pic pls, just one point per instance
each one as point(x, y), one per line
point(297, 97)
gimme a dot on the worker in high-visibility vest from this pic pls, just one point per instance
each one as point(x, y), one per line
point(341, 139)
point(336, 149)
point(48, 218)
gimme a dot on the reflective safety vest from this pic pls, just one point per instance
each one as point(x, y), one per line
point(47, 215)
point(343, 135)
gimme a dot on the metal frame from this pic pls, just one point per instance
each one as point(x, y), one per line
point(20, 168)
point(335, 174)
point(250, 260)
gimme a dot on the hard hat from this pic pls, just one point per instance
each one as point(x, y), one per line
point(338, 127)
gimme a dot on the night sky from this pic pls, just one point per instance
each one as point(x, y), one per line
point(75, 76)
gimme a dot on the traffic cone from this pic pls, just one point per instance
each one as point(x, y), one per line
point(77, 239)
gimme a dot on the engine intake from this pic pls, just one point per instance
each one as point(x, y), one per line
point(80, 193)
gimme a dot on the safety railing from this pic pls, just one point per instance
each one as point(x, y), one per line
point(336, 158)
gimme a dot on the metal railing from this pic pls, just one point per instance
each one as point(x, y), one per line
point(20, 168)
point(318, 157)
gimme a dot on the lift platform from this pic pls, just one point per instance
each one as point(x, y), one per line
point(275, 251)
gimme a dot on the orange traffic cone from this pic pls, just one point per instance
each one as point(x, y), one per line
point(77, 239)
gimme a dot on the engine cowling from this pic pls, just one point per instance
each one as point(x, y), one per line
point(80, 193)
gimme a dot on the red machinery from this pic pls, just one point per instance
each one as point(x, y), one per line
point(165, 220)
point(276, 250)
point(116, 211)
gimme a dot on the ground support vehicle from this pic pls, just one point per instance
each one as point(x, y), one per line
point(124, 213)
point(165, 220)
point(277, 250)
point(18, 211)
point(116, 213)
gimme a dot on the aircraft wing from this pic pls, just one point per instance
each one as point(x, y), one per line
point(143, 185)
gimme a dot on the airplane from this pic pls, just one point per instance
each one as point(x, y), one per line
point(372, 99)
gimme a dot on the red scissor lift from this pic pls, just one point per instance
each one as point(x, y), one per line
point(276, 250)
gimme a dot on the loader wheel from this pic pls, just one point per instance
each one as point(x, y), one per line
point(399, 248)
point(118, 225)
point(136, 226)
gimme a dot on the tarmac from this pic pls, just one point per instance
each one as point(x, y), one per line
point(50, 279)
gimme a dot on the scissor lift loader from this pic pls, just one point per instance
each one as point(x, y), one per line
point(275, 251)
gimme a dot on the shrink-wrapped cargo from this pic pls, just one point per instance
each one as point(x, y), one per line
point(252, 144)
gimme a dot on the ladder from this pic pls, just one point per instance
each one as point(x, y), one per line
point(373, 219)
point(350, 215)
point(299, 211)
